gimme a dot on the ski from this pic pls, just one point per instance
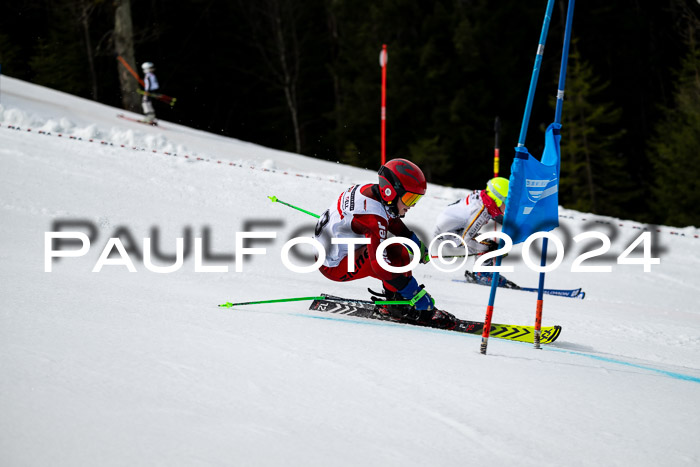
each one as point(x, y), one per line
point(571, 293)
point(145, 122)
point(367, 309)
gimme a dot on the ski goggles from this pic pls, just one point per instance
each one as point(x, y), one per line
point(410, 199)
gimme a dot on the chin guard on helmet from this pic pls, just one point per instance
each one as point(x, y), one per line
point(497, 189)
point(401, 179)
point(386, 187)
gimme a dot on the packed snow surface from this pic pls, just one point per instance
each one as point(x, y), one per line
point(100, 365)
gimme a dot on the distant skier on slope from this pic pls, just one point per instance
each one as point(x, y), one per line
point(151, 87)
point(370, 211)
point(468, 215)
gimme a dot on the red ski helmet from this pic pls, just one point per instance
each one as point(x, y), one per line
point(401, 179)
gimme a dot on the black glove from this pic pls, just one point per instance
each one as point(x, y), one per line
point(423, 253)
point(492, 245)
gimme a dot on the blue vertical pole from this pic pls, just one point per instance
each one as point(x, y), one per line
point(535, 74)
point(564, 61)
point(557, 119)
point(521, 143)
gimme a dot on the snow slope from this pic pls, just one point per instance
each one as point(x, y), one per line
point(142, 368)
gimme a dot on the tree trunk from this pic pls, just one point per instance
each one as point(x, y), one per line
point(274, 34)
point(337, 109)
point(124, 46)
point(86, 12)
point(289, 63)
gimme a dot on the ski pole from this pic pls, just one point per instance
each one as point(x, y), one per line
point(454, 256)
point(299, 299)
point(279, 300)
point(161, 97)
point(275, 200)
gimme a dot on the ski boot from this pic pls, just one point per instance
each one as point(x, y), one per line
point(470, 277)
point(433, 318)
point(393, 312)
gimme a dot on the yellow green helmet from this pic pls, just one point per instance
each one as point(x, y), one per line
point(497, 189)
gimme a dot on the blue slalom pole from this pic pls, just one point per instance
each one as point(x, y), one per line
point(564, 61)
point(521, 143)
point(557, 119)
point(535, 74)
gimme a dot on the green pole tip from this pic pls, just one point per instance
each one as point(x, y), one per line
point(273, 198)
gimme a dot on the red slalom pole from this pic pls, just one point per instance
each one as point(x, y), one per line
point(131, 70)
point(496, 154)
point(383, 59)
point(487, 329)
point(496, 149)
point(538, 323)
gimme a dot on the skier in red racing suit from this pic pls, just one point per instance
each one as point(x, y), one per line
point(370, 211)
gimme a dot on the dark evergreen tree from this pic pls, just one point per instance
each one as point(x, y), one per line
point(58, 59)
point(9, 55)
point(593, 176)
point(431, 157)
point(675, 146)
